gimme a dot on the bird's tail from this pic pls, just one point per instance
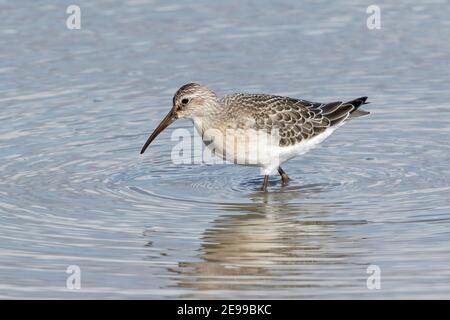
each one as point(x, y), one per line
point(356, 112)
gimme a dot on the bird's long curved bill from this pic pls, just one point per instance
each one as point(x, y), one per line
point(171, 117)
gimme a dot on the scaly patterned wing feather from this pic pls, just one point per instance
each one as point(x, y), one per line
point(296, 120)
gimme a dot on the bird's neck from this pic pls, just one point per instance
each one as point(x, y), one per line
point(211, 119)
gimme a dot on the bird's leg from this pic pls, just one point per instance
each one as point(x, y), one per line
point(265, 183)
point(284, 176)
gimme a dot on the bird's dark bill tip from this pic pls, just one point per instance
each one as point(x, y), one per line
point(144, 147)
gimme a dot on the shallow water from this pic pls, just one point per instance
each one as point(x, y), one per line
point(77, 105)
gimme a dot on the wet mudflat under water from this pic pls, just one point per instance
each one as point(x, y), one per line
point(77, 105)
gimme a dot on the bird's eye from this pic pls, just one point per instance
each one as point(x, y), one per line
point(185, 101)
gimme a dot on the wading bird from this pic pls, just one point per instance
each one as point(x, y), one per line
point(258, 129)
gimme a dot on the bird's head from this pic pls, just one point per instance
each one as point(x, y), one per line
point(190, 101)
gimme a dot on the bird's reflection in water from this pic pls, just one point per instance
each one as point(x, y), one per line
point(269, 243)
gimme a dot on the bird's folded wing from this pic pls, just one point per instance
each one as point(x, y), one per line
point(296, 120)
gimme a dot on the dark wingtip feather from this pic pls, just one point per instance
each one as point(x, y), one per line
point(358, 112)
point(357, 102)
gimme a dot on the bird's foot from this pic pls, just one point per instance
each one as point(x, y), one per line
point(284, 176)
point(284, 179)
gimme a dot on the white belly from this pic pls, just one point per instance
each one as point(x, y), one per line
point(256, 148)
